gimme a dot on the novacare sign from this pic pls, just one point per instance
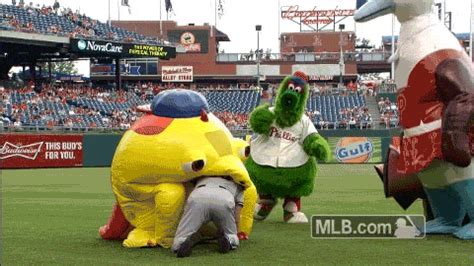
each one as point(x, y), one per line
point(93, 46)
point(117, 50)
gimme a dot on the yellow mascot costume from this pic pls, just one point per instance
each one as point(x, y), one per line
point(177, 141)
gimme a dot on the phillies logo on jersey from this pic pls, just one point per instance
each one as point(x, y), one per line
point(282, 134)
point(29, 151)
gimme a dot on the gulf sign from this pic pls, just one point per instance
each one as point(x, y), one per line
point(354, 150)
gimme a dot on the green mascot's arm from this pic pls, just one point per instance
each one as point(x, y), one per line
point(261, 120)
point(315, 145)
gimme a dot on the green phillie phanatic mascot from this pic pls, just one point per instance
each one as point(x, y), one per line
point(283, 153)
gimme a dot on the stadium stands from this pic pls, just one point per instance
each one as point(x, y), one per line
point(234, 101)
point(339, 111)
point(330, 106)
point(64, 23)
point(99, 108)
point(83, 107)
point(389, 113)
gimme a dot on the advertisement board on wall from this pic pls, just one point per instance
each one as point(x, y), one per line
point(321, 78)
point(314, 16)
point(193, 41)
point(188, 40)
point(356, 149)
point(116, 49)
point(177, 73)
point(125, 69)
point(35, 151)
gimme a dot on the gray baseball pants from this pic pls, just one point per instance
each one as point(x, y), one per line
point(205, 204)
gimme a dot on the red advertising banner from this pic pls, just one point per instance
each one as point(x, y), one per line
point(314, 16)
point(34, 151)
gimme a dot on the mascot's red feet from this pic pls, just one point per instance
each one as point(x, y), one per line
point(264, 207)
point(242, 236)
point(117, 228)
point(291, 211)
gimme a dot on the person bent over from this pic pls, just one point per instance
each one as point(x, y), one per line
point(214, 199)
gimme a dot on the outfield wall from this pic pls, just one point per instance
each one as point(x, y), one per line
point(92, 150)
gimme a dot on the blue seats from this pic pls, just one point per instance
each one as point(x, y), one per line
point(234, 101)
point(321, 107)
point(43, 23)
point(330, 106)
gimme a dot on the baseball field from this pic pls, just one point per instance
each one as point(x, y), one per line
point(52, 216)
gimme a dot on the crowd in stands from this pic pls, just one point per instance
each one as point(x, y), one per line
point(63, 22)
point(350, 118)
point(372, 89)
point(355, 118)
point(84, 106)
point(389, 112)
point(99, 106)
point(321, 89)
point(233, 121)
point(56, 106)
point(257, 54)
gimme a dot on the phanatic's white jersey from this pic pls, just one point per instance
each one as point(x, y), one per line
point(284, 146)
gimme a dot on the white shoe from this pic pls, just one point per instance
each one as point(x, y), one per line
point(256, 214)
point(298, 218)
point(263, 209)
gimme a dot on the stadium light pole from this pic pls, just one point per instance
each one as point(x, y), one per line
point(471, 29)
point(279, 17)
point(109, 15)
point(392, 76)
point(258, 28)
point(118, 10)
point(341, 55)
point(215, 14)
point(161, 22)
point(444, 12)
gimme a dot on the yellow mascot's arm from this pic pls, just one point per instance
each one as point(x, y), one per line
point(232, 166)
point(240, 148)
point(246, 215)
point(169, 202)
point(154, 211)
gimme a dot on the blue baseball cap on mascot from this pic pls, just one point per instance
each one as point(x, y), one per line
point(179, 103)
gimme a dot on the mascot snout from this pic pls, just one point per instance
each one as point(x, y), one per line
point(289, 100)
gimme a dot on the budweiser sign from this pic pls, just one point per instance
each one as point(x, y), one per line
point(38, 150)
point(315, 16)
point(29, 151)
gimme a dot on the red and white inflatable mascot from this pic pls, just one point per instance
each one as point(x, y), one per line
point(434, 76)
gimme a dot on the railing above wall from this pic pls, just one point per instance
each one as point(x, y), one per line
point(237, 132)
point(381, 57)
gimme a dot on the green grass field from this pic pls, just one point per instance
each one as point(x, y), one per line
point(52, 217)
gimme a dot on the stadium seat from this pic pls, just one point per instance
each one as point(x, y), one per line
point(43, 23)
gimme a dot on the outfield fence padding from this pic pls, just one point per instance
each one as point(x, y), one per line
point(97, 150)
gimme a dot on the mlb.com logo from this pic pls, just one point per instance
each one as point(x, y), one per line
point(354, 150)
point(368, 226)
point(81, 44)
